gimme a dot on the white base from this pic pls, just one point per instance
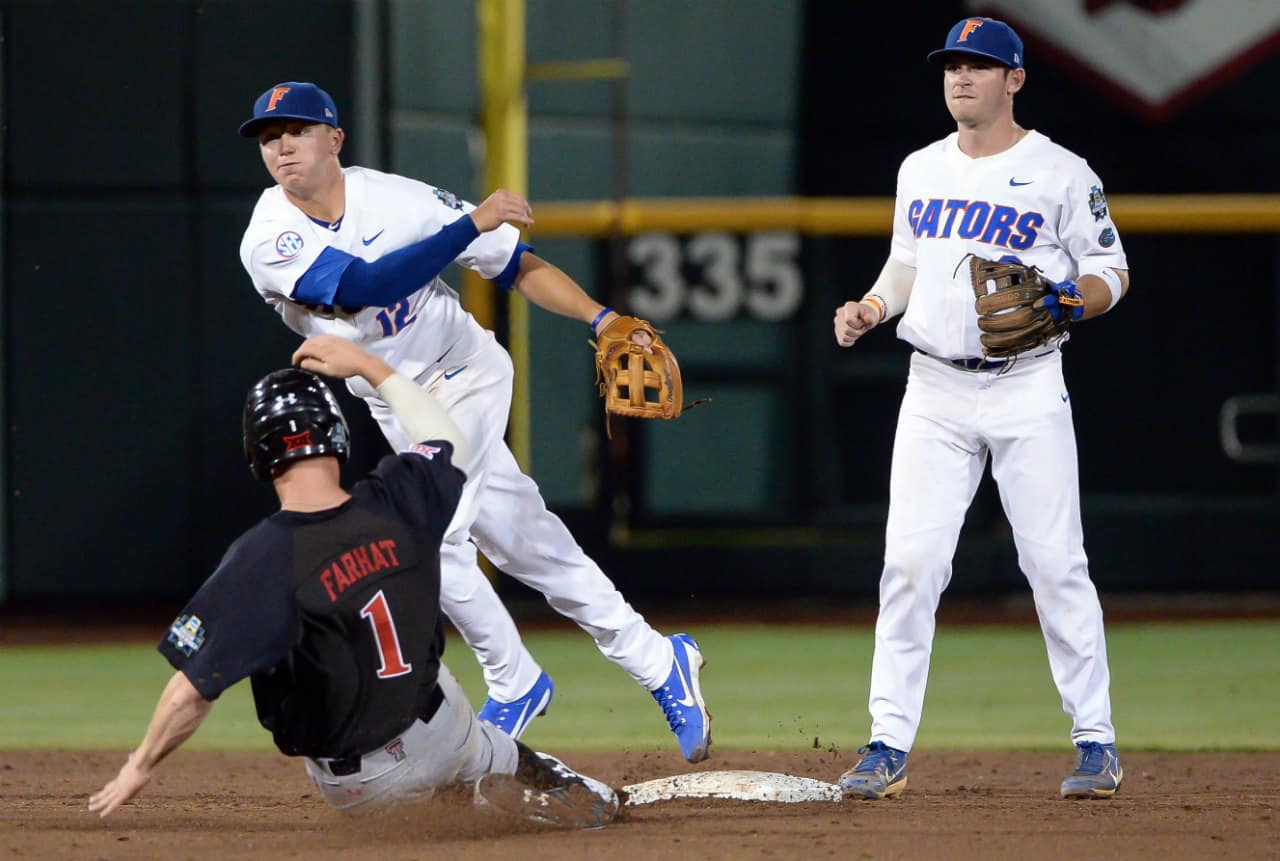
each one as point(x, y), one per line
point(740, 785)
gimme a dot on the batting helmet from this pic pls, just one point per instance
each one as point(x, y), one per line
point(291, 414)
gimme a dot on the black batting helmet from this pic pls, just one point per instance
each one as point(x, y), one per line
point(291, 414)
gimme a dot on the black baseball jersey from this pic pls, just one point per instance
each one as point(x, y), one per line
point(335, 614)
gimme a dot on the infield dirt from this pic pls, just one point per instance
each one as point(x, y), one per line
point(958, 805)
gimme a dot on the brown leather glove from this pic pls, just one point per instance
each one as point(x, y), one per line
point(1013, 313)
point(637, 373)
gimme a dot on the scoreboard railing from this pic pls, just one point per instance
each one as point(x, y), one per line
point(872, 216)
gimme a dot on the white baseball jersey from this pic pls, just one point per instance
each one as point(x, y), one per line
point(1035, 201)
point(384, 212)
point(431, 338)
point(1043, 205)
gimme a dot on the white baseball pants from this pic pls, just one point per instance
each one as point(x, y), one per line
point(503, 513)
point(950, 420)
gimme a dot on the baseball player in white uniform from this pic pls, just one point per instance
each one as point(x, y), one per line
point(357, 253)
point(991, 189)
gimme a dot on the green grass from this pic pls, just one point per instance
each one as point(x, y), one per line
point(1174, 686)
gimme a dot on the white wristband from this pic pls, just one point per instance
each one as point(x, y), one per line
point(1111, 278)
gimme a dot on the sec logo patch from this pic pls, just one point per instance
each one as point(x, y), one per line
point(288, 244)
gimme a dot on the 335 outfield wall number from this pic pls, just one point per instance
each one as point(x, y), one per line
point(715, 276)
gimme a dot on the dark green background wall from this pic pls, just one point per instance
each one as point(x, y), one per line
point(131, 332)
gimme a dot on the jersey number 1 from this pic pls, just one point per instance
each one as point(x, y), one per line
point(384, 631)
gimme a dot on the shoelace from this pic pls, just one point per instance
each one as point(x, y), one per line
point(670, 707)
point(1092, 758)
point(874, 759)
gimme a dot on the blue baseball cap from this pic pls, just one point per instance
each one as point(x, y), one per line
point(292, 100)
point(985, 37)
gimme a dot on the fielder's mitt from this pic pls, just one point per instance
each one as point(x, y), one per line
point(1015, 311)
point(637, 373)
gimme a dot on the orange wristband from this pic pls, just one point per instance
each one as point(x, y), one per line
point(873, 299)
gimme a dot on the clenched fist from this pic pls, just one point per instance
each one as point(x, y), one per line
point(853, 320)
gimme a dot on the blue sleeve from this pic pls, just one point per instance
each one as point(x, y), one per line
point(507, 277)
point(339, 278)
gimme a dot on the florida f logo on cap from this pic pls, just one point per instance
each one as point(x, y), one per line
point(969, 26)
point(291, 100)
point(983, 37)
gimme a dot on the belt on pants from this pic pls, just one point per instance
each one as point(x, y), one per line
point(978, 364)
point(343, 766)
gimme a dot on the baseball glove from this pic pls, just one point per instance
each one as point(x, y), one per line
point(1018, 308)
point(637, 373)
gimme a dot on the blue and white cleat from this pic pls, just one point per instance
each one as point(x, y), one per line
point(681, 699)
point(514, 717)
point(881, 773)
point(1098, 772)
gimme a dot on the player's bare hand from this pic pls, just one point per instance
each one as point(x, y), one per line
point(126, 784)
point(337, 357)
point(853, 320)
point(502, 207)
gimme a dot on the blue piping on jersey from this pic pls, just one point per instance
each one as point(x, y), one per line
point(339, 278)
point(329, 225)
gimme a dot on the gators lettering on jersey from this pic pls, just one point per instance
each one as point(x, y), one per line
point(989, 223)
point(1036, 201)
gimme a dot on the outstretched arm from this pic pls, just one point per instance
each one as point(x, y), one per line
point(178, 715)
point(548, 287)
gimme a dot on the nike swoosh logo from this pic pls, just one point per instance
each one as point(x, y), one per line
point(374, 237)
point(1066, 398)
point(524, 711)
point(687, 700)
point(449, 375)
point(1012, 182)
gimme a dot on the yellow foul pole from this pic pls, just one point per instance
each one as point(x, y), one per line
point(505, 119)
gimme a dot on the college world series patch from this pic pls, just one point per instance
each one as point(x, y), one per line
point(448, 198)
point(1097, 203)
point(187, 634)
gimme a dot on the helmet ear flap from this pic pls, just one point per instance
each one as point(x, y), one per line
point(290, 415)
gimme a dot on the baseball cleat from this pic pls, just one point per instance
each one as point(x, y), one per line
point(681, 699)
point(881, 773)
point(514, 717)
point(1098, 772)
point(546, 791)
